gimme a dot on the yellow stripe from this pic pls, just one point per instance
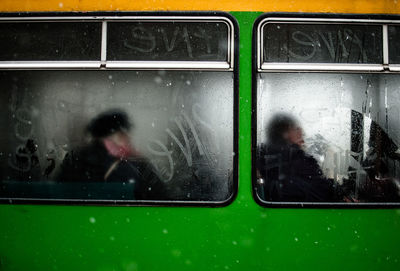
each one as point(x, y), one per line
point(333, 6)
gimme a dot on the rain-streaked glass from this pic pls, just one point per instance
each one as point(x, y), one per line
point(182, 126)
point(351, 128)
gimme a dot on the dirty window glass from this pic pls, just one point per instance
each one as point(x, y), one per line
point(322, 43)
point(50, 41)
point(394, 44)
point(174, 41)
point(117, 135)
point(325, 137)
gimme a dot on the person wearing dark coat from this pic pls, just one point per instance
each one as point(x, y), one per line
point(110, 157)
point(288, 173)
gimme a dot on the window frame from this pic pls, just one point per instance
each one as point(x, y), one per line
point(257, 68)
point(231, 66)
point(103, 63)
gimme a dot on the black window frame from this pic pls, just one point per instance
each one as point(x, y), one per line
point(312, 67)
point(232, 66)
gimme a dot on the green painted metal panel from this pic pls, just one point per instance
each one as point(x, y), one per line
point(241, 236)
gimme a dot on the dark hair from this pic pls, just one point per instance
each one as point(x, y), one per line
point(278, 125)
point(108, 122)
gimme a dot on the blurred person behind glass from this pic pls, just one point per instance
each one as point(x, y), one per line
point(111, 157)
point(286, 172)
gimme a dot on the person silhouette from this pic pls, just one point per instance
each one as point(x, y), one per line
point(111, 157)
point(289, 174)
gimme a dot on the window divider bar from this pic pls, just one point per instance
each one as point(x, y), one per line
point(385, 37)
point(104, 41)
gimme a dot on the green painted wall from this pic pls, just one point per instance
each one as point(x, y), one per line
point(241, 236)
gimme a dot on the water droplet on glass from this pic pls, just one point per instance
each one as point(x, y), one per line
point(158, 79)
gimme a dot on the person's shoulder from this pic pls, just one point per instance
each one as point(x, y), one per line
point(90, 153)
point(274, 148)
point(297, 150)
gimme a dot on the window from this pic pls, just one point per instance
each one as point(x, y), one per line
point(139, 109)
point(326, 113)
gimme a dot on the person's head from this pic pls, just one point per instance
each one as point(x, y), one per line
point(111, 127)
point(108, 123)
point(283, 128)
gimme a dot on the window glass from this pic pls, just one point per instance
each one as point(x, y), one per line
point(117, 135)
point(394, 44)
point(328, 137)
point(174, 41)
point(50, 41)
point(322, 43)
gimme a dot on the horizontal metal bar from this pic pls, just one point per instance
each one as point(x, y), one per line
point(168, 65)
point(394, 67)
point(321, 67)
point(209, 65)
point(49, 64)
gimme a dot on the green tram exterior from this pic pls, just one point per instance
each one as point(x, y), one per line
point(242, 235)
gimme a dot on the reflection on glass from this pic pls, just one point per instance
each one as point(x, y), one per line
point(181, 142)
point(350, 127)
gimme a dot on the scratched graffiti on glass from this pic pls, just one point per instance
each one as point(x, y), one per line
point(328, 137)
point(119, 135)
